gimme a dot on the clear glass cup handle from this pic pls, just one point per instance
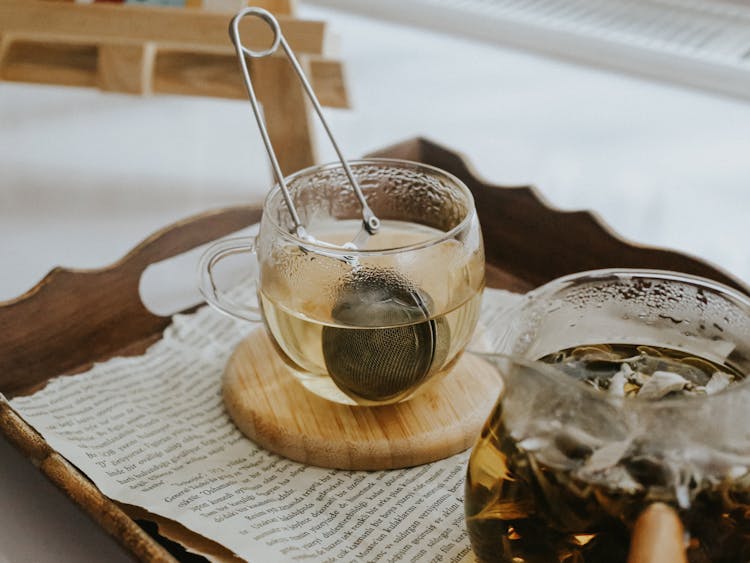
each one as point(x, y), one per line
point(208, 288)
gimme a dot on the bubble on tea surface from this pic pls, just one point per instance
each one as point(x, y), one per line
point(393, 344)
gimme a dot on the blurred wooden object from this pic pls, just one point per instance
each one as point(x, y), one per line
point(147, 50)
point(658, 537)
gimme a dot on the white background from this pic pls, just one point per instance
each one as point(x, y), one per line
point(84, 176)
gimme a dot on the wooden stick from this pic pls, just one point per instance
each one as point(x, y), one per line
point(658, 537)
point(289, 117)
point(276, 7)
point(66, 64)
point(125, 68)
point(327, 77)
point(144, 68)
point(209, 74)
point(166, 26)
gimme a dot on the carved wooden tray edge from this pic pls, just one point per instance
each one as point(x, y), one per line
point(565, 233)
point(515, 207)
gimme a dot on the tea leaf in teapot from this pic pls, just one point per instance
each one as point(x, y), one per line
point(649, 351)
point(619, 380)
point(618, 479)
point(599, 352)
point(607, 456)
point(661, 384)
point(704, 365)
point(719, 381)
point(650, 374)
point(589, 470)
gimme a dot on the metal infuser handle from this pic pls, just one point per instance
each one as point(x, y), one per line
point(370, 221)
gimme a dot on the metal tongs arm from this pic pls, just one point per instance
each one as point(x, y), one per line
point(371, 223)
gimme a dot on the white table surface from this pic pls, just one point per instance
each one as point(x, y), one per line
point(84, 176)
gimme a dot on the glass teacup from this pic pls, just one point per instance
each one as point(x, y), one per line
point(640, 397)
point(372, 324)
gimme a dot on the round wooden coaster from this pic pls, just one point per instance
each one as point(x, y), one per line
point(274, 410)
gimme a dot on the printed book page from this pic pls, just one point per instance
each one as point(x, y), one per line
point(151, 431)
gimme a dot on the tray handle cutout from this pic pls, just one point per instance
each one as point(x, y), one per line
point(72, 318)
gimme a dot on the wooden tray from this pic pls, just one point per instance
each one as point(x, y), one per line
point(74, 318)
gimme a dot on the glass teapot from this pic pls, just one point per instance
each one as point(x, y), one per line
point(639, 398)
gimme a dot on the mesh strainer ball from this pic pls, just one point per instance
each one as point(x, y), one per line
point(393, 345)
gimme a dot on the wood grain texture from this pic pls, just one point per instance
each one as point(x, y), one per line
point(109, 516)
point(79, 489)
point(192, 73)
point(163, 25)
point(72, 318)
point(273, 6)
point(328, 81)
point(146, 68)
point(174, 531)
point(289, 117)
point(186, 72)
point(126, 67)
point(274, 410)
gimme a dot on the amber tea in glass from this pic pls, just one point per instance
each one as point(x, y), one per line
point(650, 405)
point(372, 323)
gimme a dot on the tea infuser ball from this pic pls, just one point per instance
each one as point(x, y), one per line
point(386, 343)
